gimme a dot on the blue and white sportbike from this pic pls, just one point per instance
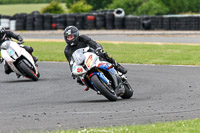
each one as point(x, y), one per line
point(99, 75)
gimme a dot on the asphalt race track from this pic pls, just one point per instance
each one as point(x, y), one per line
point(162, 93)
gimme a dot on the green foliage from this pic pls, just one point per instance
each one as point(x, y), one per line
point(99, 4)
point(70, 2)
point(80, 7)
point(54, 7)
point(152, 7)
point(156, 7)
point(180, 6)
point(96, 4)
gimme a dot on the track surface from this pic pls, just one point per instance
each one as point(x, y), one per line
point(162, 93)
point(182, 37)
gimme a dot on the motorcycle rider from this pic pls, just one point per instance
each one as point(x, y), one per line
point(5, 35)
point(74, 42)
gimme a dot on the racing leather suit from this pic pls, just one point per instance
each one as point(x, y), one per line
point(85, 41)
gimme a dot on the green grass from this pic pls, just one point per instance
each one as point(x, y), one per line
point(48, 51)
point(155, 54)
point(22, 8)
point(128, 53)
point(183, 126)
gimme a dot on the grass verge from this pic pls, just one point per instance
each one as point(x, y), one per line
point(183, 126)
point(128, 53)
point(23, 8)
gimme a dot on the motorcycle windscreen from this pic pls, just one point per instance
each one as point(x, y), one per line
point(78, 56)
point(8, 52)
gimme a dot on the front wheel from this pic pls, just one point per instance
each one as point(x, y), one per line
point(128, 90)
point(26, 71)
point(103, 88)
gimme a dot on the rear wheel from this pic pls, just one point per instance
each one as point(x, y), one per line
point(26, 71)
point(128, 90)
point(104, 88)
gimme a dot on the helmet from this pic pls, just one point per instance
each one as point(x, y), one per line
point(71, 35)
point(2, 33)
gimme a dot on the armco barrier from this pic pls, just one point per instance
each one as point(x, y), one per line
point(105, 19)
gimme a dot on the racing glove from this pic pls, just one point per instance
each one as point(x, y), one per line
point(98, 51)
point(20, 39)
point(73, 76)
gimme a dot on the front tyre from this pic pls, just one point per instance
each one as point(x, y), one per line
point(103, 88)
point(26, 71)
point(128, 90)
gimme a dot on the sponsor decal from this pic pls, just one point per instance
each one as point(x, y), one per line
point(89, 61)
point(74, 68)
point(100, 64)
point(79, 70)
point(11, 53)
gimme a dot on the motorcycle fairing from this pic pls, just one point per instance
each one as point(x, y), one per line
point(100, 74)
point(12, 52)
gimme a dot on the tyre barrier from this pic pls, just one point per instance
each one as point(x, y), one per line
point(119, 13)
point(109, 20)
point(71, 19)
point(156, 22)
point(47, 21)
point(100, 21)
point(38, 23)
point(21, 21)
point(61, 21)
point(105, 19)
point(91, 21)
point(54, 22)
point(80, 21)
point(132, 22)
point(119, 18)
point(146, 23)
point(29, 22)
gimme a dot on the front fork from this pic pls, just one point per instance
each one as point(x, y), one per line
point(100, 75)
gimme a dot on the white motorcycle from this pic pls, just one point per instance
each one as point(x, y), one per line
point(19, 60)
point(99, 75)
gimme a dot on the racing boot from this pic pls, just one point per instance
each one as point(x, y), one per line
point(116, 65)
point(18, 76)
point(79, 81)
point(7, 68)
point(30, 51)
point(120, 68)
point(35, 58)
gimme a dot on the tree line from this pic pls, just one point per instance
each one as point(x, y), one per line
point(134, 7)
point(157, 7)
point(145, 7)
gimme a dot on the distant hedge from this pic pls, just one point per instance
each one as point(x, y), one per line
point(157, 7)
point(27, 1)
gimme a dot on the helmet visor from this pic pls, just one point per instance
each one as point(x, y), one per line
point(70, 37)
